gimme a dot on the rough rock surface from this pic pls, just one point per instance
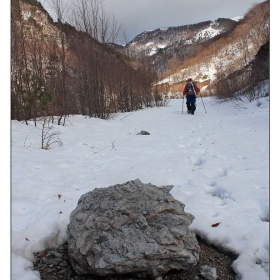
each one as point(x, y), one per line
point(131, 228)
point(208, 272)
point(143, 132)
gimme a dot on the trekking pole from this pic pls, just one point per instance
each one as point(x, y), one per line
point(183, 105)
point(203, 103)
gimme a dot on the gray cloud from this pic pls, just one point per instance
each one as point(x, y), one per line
point(144, 15)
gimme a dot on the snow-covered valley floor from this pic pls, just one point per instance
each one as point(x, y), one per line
point(217, 161)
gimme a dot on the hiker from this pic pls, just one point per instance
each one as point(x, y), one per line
point(191, 90)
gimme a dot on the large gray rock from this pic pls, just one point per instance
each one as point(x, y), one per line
point(131, 228)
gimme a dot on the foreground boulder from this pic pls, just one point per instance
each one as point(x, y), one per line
point(131, 228)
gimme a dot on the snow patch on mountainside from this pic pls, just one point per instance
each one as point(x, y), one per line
point(154, 51)
point(237, 18)
point(150, 43)
point(229, 59)
point(207, 33)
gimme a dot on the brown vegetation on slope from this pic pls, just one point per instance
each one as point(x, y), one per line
point(57, 70)
point(247, 37)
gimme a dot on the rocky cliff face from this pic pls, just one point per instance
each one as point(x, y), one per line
point(260, 65)
point(36, 22)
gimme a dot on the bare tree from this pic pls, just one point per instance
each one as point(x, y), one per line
point(109, 28)
point(72, 72)
point(259, 16)
point(61, 9)
point(91, 17)
point(29, 96)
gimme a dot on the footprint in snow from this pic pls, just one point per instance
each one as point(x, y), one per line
point(197, 161)
point(210, 189)
point(214, 214)
point(263, 212)
point(220, 202)
point(217, 156)
point(222, 172)
point(199, 139)
point(241, 157)
point(201, 151)
point(189, 144)
point(222, 193)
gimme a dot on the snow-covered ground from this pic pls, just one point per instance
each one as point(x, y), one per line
point(217, 161)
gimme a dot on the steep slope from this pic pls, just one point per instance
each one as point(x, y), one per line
point(58, 70)
point(33, 20)
point(174, 40)
point(165, 47)
point(208, 51)
point(222, 55)
point(260, 65)
point(249, 80)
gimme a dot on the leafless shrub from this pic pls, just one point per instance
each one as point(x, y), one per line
point(160, 93)
point(48, 136)
point(261, 89)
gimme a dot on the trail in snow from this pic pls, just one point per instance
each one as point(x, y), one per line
point(217, 162)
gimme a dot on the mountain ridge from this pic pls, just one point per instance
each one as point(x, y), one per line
point(209, 53)
point(175, 39)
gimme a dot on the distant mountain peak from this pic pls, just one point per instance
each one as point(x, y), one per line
point(171, 42)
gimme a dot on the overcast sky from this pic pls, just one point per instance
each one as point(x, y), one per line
point(144, 15)
point(137, 16)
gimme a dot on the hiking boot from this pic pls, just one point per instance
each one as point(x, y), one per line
point(189, 111)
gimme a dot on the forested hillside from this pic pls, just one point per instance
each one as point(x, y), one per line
point(58, 69)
